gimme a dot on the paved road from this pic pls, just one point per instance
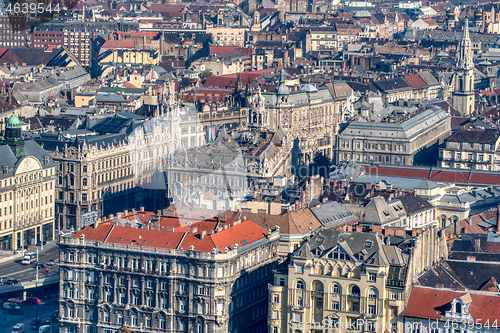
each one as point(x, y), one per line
point(14, 269)
point(8, 321)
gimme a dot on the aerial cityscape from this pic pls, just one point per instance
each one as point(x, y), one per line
point(249, 166)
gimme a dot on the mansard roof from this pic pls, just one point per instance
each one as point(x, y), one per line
point(351, 242)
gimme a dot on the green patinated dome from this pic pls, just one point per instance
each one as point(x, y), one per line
point(13, 122)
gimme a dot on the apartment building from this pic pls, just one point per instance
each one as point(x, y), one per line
point(77, 42)
point(471, 149)
point(206, 276)
point(336, 279)
point(27, 190)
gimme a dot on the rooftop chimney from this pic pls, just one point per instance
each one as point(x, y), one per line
point(141, 209)
point(203, 233)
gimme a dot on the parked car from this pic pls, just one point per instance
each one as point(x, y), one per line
point(3, 279)
point(11, 306)
point(20, 250)
point(51, 263)
point(35, 323)
point(12, 281)
point(40, 266)
point(55, 314)
point(19, 328)
point(45, 329)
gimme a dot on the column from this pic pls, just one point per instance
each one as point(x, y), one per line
point(101, 290)
point(143, 289)
point(129, 282)
point(115, 296)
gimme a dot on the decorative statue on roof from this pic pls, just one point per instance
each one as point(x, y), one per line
point(347, 108)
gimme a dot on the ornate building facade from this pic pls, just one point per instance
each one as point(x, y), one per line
point(463, 95)
point(310, 115)
point(27, 190)
point(343, 280)
point(106, 170)
point(393, 143)
point(211, 279)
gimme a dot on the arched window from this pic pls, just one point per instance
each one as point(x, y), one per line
point(372, 293)
point(336, 289)
point(355, 290)
point(300, 284)
point(458, 308)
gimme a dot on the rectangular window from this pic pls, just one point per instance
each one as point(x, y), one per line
point(123, 298)
point(299, 269)
point(372, 309)
point(336, 305)
point(372, 277)
point(276, 298)
point(109, 297)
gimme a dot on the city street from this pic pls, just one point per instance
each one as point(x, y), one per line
point(14, 269)
point(44, 312)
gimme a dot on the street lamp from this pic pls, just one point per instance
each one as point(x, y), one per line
point(36, 287)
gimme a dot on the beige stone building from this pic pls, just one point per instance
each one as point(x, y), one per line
point(27, 188)
point(342, 280)
point(102, 173)
point(228, 36)
point(311, 115)
point(393, 143)
point(471, 149)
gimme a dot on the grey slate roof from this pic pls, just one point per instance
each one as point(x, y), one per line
point(353, 243)
point(31, 148)
point(333, 214)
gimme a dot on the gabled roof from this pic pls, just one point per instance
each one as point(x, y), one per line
point(415, 81)
point(432, 303)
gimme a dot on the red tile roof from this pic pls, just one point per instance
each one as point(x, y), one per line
point(437, 175)
point(430, 303)
point(230, 80)
point(242, 233)
point(416, 82)
point(166, 8)
point(129, 44)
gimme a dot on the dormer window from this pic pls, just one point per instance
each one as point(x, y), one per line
point(458, 308)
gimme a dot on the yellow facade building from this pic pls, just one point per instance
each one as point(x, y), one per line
point(133, 57)
point(339, 281)
point(27, 190)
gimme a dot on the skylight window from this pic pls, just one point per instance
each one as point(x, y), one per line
point(321, 239)
point(368, 244)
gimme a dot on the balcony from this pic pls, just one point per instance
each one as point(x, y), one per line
point(353, 297)
point(395, 283)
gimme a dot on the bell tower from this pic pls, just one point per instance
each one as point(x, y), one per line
point(463, 96)
point(13, 136)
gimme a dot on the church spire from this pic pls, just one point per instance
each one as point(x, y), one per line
point(465, 54)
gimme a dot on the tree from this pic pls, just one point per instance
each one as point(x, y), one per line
point(320, 165)
point(206, 74)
